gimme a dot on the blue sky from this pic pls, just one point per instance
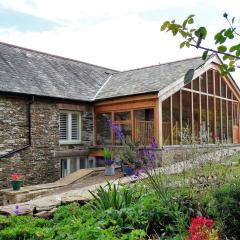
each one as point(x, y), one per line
point(120, 34)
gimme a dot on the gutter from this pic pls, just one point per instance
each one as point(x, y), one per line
point(29, 116)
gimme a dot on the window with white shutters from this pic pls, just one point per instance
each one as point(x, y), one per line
point(75, 126)
point(63, 126)
point(70, 128)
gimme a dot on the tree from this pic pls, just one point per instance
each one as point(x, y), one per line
point(194, 37)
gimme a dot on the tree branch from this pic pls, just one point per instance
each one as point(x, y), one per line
point(215, 51)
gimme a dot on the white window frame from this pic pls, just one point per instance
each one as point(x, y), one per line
point(69, 128)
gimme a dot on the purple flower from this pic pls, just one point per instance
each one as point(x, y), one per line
point(109, 162)
point(154, 144)
point(16, 211)
point(116, 129)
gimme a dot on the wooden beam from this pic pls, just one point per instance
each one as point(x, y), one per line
point(127, 99)
point(181, 128)
point(192, 114)
point(94, 128)
point(214, 108)
point(171, 120)
point(160, 125)
point(232, 117)
point(207, 107)
point(126, 106)
point(156, 123)
point(200, 109)
point(133, 124)
point(226, 111)
point(112, 134)
point(221, 129)
point(210, 95)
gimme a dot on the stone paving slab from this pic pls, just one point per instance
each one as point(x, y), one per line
point(30, 192)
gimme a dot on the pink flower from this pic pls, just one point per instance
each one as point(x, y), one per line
point(201, 228)
point(16, 176)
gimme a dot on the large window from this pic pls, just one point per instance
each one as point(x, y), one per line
point(70, 127)
point(135, 124)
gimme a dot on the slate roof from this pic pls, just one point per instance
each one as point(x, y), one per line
point(148, 79)
point(31, 72)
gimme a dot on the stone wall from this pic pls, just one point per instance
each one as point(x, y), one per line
point(37, 163)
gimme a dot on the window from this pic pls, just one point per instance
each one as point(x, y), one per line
point(70, 128)
point(72, 164)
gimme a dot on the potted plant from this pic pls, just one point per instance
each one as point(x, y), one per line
point(16, 181)
point(129, 157)
point(109, 162)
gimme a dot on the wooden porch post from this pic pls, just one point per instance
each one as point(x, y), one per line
point(181, 116)
point(171, 120)
point(192, 111)
point(94, 127)
point(221, 129)
point(156, 122)
point(112, 134)
point(214, 108)
point(200, 108)
point(207, 107)
point(133, 125)
point(160, 123)
point(232, 118)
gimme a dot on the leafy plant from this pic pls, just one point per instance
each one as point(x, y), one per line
point(193, 37)
point(108, 156)
point(112, 197)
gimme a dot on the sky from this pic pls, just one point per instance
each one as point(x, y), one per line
point(118, 34)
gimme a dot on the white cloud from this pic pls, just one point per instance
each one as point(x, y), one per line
point(73, 10)
point(123, 40)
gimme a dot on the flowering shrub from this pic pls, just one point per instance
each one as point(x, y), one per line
point(16, 176)
point(201, 228)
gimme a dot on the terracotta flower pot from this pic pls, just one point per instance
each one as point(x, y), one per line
point(16, 184)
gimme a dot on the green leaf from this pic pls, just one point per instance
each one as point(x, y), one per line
point(229, 33)
point(190, 21)
point(187, 44)
point(225, 57)
point(219, 38)
point(234, 48)
point(184, 23)
point(201, 32)
point(222, 49)
point(164, 25)
point(174, 29)
point(184, 34)
point(204, 55)
point(182, 44)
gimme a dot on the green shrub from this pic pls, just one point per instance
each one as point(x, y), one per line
point(112, 197)
point(227, 208)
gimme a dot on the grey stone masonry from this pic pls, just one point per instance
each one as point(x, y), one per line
point(37, 163)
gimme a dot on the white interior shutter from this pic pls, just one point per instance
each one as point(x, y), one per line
point(63, 126)
point(75, 126)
